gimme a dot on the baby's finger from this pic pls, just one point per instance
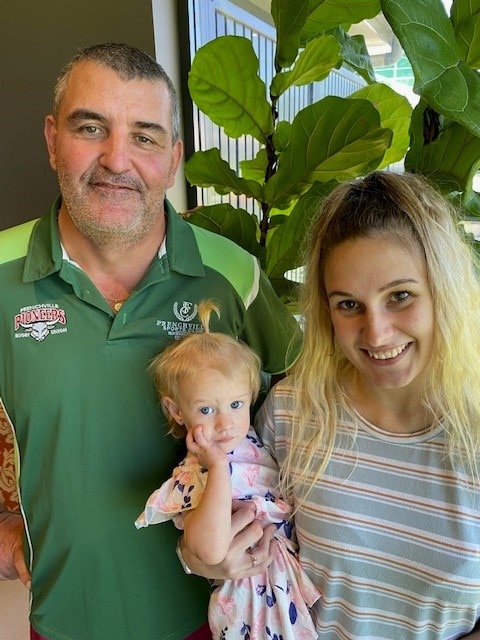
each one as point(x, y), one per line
point(192, 445)
point(199, 436)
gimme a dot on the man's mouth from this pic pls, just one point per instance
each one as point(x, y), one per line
point(109, 185)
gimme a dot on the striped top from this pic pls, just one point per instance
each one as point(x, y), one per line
point(390, 534)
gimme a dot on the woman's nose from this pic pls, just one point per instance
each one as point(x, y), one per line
point(377, 328)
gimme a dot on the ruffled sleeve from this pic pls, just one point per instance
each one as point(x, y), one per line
point(178, 494)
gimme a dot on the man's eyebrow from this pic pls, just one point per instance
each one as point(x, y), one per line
point(84, 114)
point(151, 126)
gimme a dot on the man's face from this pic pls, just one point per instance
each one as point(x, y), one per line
point(111, 146)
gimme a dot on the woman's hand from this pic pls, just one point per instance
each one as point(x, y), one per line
point(250, 550)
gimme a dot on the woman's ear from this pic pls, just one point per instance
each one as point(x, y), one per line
point(172, 409)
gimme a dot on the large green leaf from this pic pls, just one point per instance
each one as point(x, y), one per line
point(355, 54)
point(328, 14)
point(289, 17)
point(282, 136)
point(471, 203)
point(466, 22)
point(333, 139)
point(255, 168)
point(231, 222)
point(315, 62)
point(284, 249)
point(224, 84)
point(451, 160)
point(441, 77)
point(395, 114)
point(208, 169)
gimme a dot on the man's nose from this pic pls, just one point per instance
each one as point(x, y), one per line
point(115, 153)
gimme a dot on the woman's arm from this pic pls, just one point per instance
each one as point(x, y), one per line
point(248, 540)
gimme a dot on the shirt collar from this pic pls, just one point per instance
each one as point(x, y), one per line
point(46, 254)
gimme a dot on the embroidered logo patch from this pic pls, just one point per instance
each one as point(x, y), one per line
point(39, 321)
point(184, 312)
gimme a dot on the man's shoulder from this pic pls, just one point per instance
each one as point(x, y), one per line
point(207, 238)
point(14, 241)
point(224, 255)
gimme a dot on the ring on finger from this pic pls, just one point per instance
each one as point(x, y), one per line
point(254, 558)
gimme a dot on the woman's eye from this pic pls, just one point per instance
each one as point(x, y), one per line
point(237, 404)
point(206, 411)
point(347, 305)
point(401, 295)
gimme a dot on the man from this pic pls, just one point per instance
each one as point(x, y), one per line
point(90, 293)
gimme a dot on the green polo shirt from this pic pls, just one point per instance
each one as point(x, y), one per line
point(90, 437)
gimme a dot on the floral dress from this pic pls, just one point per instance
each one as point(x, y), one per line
point(273, 604)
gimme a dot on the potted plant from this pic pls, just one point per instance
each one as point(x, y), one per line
point(334, 139)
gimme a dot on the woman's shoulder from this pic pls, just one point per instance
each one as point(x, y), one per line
point(278, 403)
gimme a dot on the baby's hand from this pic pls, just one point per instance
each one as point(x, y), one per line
point(207, 452)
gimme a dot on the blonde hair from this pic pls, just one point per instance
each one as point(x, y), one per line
point(409, 209)
point(183, 359)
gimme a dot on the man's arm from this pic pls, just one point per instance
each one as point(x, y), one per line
point(12, 560)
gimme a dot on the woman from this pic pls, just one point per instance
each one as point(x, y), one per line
point(377, 431)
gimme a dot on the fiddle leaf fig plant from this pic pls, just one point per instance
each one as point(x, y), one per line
point(336, 138)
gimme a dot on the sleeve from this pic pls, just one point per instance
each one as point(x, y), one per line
point(264, 425)
point(271, 329)
point(178, 494)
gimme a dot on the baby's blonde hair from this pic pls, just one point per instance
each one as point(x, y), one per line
point(183, 359)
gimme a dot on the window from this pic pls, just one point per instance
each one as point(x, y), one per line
point(204, 20)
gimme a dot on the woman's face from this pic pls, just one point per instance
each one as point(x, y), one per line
point(381, 308)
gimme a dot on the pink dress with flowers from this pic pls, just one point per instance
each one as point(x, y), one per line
point(271, 605)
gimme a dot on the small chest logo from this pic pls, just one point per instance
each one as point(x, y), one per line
point(186, 312)
point(40, 321)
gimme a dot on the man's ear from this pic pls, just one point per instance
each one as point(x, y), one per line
point(50, 132)
point(172, 409)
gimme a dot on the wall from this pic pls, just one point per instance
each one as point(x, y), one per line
point(36, 39)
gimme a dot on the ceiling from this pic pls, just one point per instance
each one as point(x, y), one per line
point(381, 43)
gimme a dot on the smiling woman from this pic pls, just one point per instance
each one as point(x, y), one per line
point(382, 316)
point(377, 429)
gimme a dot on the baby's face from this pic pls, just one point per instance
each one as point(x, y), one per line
point(221, 404)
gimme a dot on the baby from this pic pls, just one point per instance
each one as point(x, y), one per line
point(206, 383)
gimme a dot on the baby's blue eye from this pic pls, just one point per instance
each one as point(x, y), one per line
point(237, 404)
point(206, 411)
